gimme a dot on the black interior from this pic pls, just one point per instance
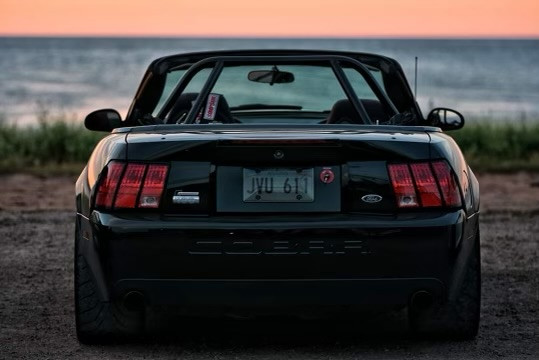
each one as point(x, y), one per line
point(184, 103)
point(343, 112)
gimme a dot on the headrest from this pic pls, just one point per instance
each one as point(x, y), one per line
point(215, 109)
point(342, 112)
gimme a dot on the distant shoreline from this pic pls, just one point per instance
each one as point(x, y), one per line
point(292, 38)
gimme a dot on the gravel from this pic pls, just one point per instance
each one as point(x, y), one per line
point(37, 320)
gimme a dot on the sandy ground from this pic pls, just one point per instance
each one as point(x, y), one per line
point(36, 301)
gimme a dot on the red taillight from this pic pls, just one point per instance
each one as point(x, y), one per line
point(140, 185)
point(130, 186)
point(109, 184)
point(153, 186)
point(403, 185)
point(429, 194)
point(421, 187)
point(447, 183)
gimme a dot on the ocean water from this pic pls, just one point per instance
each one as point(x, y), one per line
point(495, 79)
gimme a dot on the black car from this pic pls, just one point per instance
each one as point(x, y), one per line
point(276, 182)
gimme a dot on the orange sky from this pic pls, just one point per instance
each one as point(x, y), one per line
point(400, 18)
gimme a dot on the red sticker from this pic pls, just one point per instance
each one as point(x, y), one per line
point(327, 176)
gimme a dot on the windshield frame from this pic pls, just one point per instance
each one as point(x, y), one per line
point(217, 64)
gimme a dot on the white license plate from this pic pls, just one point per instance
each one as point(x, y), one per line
point(278, 185)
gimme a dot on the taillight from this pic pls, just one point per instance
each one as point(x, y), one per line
point(403, 185)
point(109, 184)
point(427, 184)
point(132, 185)
point(126, 197)
point(447, 183)
point(427, 188)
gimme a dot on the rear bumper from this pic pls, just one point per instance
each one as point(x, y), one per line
point(282, 261)
point(278, 293)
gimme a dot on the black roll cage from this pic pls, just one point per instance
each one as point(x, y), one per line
point(218, 62)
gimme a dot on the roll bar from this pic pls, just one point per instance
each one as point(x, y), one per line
point(334, 61)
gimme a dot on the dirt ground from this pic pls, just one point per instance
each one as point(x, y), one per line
point(36, 296)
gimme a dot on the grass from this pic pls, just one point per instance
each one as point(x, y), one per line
point(54, 146)
point(59, 146)
point(500, 147)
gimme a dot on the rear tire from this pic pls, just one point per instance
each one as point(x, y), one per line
point(458, 319)
point(97, 321)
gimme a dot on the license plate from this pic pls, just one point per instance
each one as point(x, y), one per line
point(278, 185)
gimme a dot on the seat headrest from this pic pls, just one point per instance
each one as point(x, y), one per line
point(343, 112)
point(215, 109)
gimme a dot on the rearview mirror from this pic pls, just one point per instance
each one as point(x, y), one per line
point(446, 119)
point(274, 76)
point(103, 120)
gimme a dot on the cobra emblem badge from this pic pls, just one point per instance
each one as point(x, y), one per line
point(371, 198)
point(278, 154)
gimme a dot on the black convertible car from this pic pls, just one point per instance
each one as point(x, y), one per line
point(276, 182)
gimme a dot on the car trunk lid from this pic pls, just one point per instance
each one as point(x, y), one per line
point(213, 168)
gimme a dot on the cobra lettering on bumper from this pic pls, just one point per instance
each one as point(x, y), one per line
point(279, 247)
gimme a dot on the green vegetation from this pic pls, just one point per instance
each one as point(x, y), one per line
point(500, 147)
point(54, 146)
point(59, 146)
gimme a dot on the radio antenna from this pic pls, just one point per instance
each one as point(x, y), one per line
point(415, 79)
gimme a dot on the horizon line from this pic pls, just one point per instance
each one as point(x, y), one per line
point(283, 37)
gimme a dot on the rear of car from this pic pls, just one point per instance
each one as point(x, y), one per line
point(274, 217)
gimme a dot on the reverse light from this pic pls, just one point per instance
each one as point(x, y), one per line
point(154, 184)
point(426, 184)
point(403, 185)
point(131, 185)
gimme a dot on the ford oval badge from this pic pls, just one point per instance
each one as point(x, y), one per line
point(371, 198)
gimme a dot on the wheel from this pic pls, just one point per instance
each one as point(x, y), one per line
point(458, 319)
point(97, 321)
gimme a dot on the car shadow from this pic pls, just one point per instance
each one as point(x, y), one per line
point(271, 331)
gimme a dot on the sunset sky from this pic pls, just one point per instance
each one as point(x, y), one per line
point(300, 18)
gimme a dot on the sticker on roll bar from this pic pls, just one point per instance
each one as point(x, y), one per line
point(211, 106)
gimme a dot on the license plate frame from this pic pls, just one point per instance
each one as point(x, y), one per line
point(278, 185)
